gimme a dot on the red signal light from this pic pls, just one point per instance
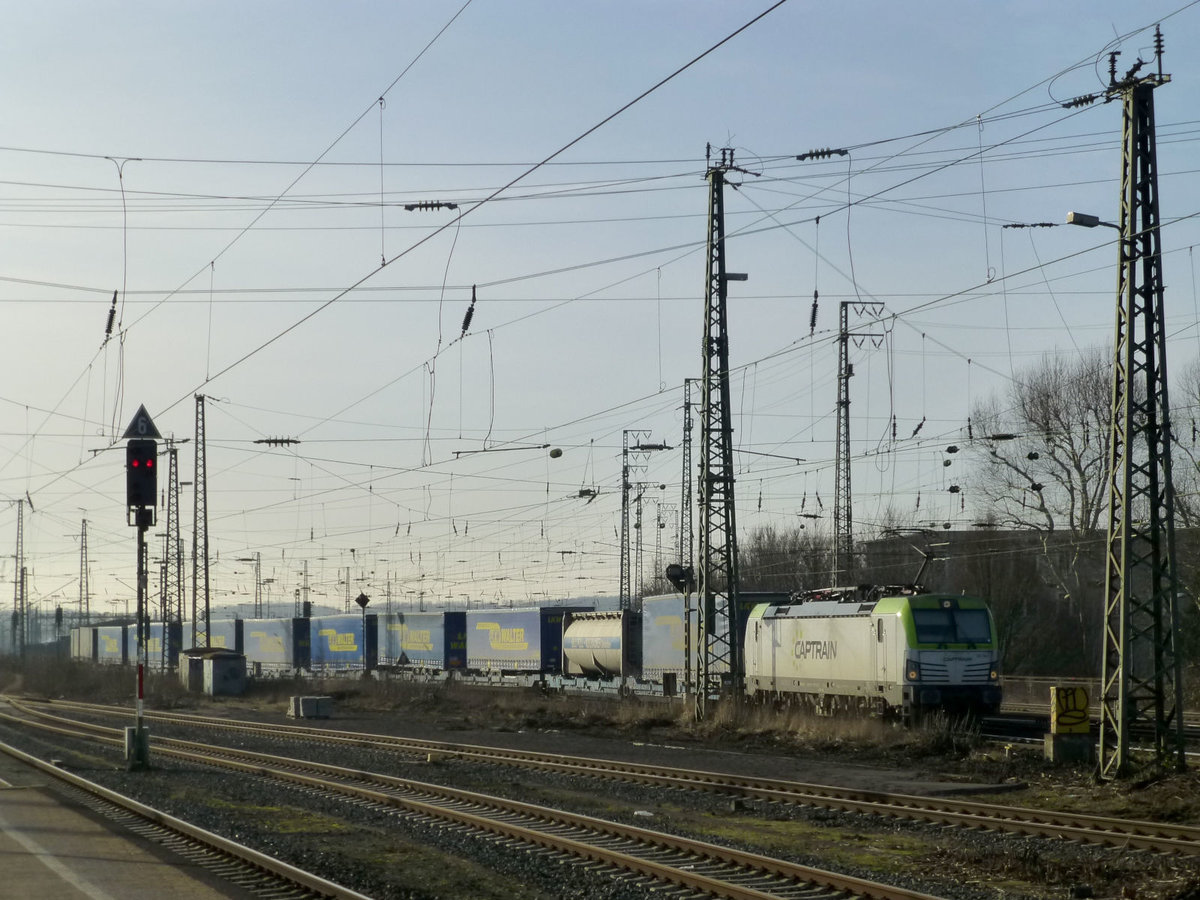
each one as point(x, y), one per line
point(141, 489)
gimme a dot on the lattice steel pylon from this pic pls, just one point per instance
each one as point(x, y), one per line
point(200, 530)
point(173, 558)
point(844, 562)
point(688, 479)
point(85, 609)
point(19, 627)
point(686, 562)
point(718, 654)
point(626, 591)
point(634, 458)
point(1141, 677)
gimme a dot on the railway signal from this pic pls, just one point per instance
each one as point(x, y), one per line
point(141, 499)
point(141, 473)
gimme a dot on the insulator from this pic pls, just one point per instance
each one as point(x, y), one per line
point(954, 489)
point(812, 317)
point(823, 153)
point(970, 433)
point(112, 316)
point(952, 449)
point(1032, 454)
point(470, 313)
point(947, 462)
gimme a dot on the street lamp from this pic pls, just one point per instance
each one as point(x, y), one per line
point(1086, 220)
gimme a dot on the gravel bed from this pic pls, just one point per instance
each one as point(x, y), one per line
point(1065, 869)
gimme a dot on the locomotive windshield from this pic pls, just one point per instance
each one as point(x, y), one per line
point(952, 626)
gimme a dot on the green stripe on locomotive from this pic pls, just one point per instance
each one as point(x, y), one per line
point(942, 621)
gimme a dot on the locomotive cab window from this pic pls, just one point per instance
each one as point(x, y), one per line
point(946, 626)
point(972, 626)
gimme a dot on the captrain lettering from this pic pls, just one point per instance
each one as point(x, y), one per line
point(815, 650)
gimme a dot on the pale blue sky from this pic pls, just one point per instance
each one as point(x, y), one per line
point(590, 270)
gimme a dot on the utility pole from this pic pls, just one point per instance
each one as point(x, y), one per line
point(634, 458)
point(173, 556)
point(303, 597)
point(200, 530)
point(85, 607)
point(1141, 676)
point(689, 479)
point(258, 604)
point(718, 656)
point(844, 565)
point(19, 585)
point(687, 564)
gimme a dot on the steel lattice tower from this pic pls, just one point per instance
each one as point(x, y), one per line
point(1141, 677)
point(625, 592)
point(685, 533)
point(685, 499)
point(172, 555)
point(85, 606)
point(634, 458)
point(843, 530)
point(718, 655)
point(844, 562)
point(258, 604)
point(200, 529)
point(18, 634)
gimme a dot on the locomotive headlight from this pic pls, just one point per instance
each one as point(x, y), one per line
point(993, 675)
point(914, 670)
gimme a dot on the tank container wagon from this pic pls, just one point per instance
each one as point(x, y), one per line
point(602, 649)
point(890, 651)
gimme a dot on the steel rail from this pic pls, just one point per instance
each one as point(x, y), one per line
point(536, 825)
point(1107, 831)
point(274, 868)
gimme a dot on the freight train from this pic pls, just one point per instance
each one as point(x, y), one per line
point(890, 651)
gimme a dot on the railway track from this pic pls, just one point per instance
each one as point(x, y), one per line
point(248, 869)
point(1106, 831)
point(697, 866)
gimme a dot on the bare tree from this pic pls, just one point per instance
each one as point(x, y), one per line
point(784, 559)
point(1041, 459)
point(1185, 438)
point(1047, 443)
